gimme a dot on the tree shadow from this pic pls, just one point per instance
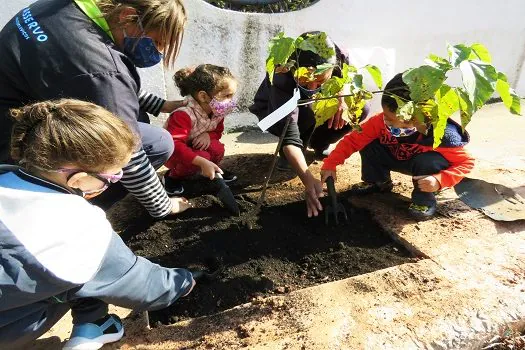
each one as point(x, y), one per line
point(256, 137)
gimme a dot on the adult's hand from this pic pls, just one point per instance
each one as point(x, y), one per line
point(170, 106)
point(337, 121)
point(426, 183)
point(179, 204)
point(313, 191)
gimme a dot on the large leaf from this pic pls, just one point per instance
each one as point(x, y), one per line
point(507, 94)
point(324, 110)
point(280, 49)
point(458, 53)
point(406, 112)
point(423, 82)
point(448, 103)
point(375, 73)
point(480, 52)
point(332, 86)
point(465, 107)
point(438, 62)
point(479, 79)
point(426, 112)
point(317, 43)
point(321, 68)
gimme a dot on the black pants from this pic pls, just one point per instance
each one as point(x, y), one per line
point(377, 162)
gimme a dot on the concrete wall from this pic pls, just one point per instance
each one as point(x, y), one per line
point(393, 34)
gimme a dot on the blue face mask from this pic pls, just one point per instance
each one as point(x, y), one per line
point(309, 92)
point(141, 51)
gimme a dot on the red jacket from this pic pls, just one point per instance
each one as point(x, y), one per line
point(451, 148)
point(179, 126)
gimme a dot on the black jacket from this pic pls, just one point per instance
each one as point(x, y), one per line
point(53, 50)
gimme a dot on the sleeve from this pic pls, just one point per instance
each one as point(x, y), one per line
point(117, 93)
point(133, 282)
point(461, 163)
point(217, 133)
point(353, 142)
point(179, 126)
point(280, 92)
point(141, 180)
point(150, 103)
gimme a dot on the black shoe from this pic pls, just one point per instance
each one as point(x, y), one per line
point(282, 164)
point(173, 186)
point(228, 176)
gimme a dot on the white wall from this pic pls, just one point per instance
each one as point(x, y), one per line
point(407, 30)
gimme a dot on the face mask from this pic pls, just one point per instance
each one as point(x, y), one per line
point(401, 132)
point(222, 108)
point(309, 92)
point(141, 51)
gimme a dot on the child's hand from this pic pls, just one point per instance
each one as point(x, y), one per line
point(327, 173)
point(201, 142)
point(208, 169)
point(426, 183)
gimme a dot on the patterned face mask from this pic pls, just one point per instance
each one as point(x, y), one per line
point(222, 108)
point(401, 132)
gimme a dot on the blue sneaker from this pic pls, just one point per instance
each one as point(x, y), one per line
point(88, 336)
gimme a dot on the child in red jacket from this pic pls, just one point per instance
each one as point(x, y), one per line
point(388, 143)
point(197, 127)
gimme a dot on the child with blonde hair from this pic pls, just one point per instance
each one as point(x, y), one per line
point(58, 251)
point(197, 127)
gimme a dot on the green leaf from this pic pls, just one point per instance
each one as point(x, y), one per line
point(406, 112)
point(448, 103)
point(332, 86)
point(317, 43)
point(375, 73)
point(423, 82)
point(438, 62)
point(280, 49)
point(479, 79)
point(480, 52)
point(426, 112)
point(303, 72)
point(466, 109)
point(458, 53)
point(321, 68)
point(507, 94)
point(324, 110)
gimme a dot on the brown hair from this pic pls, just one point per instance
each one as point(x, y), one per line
point(167, 17)
point(51, 134)
point(205, 77)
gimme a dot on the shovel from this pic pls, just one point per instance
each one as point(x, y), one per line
point(225, 195)
point(334, 208)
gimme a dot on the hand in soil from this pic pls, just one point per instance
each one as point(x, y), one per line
point(179, 204)
point(312, 193)
point(426, 183)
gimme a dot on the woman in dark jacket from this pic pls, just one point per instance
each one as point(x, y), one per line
point(301, 132)
point(89, 50)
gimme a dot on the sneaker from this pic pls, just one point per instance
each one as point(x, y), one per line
point(422, 212)
point(88, 336)
point(372, 187)
point(282, 164)
point(228, 176)
point(173, 186)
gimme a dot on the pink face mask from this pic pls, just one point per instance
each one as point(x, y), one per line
point(222, 108)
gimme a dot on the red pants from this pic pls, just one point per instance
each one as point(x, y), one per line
point(214, 153)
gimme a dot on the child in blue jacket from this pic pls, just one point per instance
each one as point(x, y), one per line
point(57, 251)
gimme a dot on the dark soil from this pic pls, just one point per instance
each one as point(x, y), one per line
point(284, 250)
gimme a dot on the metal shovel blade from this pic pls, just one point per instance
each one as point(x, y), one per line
point(334, 208)
point(225, 195)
